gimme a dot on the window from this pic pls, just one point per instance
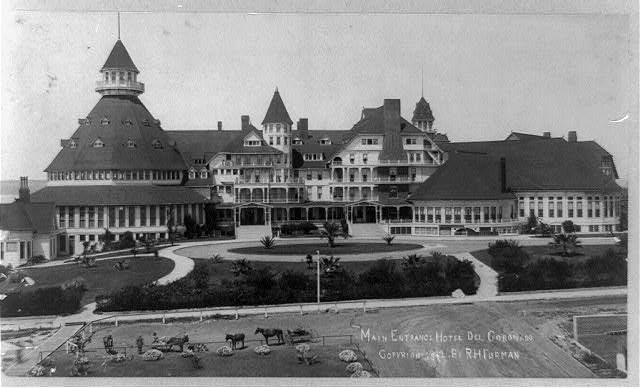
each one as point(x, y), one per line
point(62, 217)
point(192, 173)
point(319, 192)
point(493, 213)
point(112, 216)
point(559, 206)
point(369, 141)
point(277, 140)
point(485, 214)
point(92, 216)
point(521, 206)
point(411, 141)
point(540, 209)
point(98, 143)
point(352, 158)
point(365, 158)
point(597, 206)
point(146, 122)
point(418, 157)
point(83, 217)
point(297, 141)
point(430, 214)
point(447, 214)
point(100, 217)
point(438, 218)
point(319, 177)
point(163, 215)
point(278, 128)
point(131, 144)
point(122, 76)
point(579, 207)
point(270, 140)
point(113, 76)
point(551, 207)
point(325, 141)
point(467, 214)
point(476, 214)
point(393, 192)
point(156, 144)
point(570, 207)
point(22, 249)
point(457, 211)
point(121, 216)
point(73, 144)
point(105, 121)
point(309, 175)
point(204, 175)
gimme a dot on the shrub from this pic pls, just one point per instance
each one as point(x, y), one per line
point(36, 260)
point(388, 239)
point(307, 227)
point(567, 243)
point(568, 227)
point(412, 262)
point(191, 227)
point(216, 259)
point(506, 248)
point(42, 301)
point(241, 267)
point(609, 269)
point(268, 242)
point(127, 241)
point(461, 276)
point(381, 280)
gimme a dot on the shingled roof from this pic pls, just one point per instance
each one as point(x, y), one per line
point(277, 112)
point(25, 216)
point(119, 58)
point(547, 164)
point(422, 111)
point(117, 195)
point(115, 120)
point(465, 176)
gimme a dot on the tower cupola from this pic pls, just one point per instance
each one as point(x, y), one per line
point(423, 117)
point(276, 126)
point(119, 75)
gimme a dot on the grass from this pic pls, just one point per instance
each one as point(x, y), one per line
point(282, 362)
point(539, 251)
point(341, 248)
point(102, 278)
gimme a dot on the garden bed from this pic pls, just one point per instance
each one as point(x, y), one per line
point(341, 248)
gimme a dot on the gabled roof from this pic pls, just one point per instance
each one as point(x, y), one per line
point(119, 58)
point(311, 144)
point(277, 112)
point(236, 144)
point(465, 176)
point(422, 111)
point(204, 144)
point(125, 117)
point(526, 136)
point(372, 122)
point(117, 195)
point(26, 216)
point(547, 164)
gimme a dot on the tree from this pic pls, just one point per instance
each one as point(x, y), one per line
point(568, 243)
point(330, 231)
point(530, 226)
point(296, 159)
point(191, 227)
point(568, 227)
point(388, 239)
point(170, 226)
point(268, 242)
point(210, 218)
point(329, 264)
point(411, 262)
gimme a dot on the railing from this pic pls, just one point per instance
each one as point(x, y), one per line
point(274, 181)
point(120, 84)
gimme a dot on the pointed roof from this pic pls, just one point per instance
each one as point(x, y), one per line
point(119, 58)
point(277, 112)
point(27, 216)
point(422, 111)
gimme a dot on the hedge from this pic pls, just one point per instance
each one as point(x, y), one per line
point(42, 301)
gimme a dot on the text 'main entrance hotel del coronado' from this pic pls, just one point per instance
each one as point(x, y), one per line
point(120, 170)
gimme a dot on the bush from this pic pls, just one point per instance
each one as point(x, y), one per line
point(42, 301)
point(607, 270)
point(307, 227)
point(268, 242)
point(381, 280)
point(388, 239)
point(127, 241)
point(36, 260)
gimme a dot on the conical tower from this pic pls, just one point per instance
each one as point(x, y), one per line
point(276, 126)
point(423, 117)
point(119, 75)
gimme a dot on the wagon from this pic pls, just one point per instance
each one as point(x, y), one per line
point(298, 335)
point(161, 346)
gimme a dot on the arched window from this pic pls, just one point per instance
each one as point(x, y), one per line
point(98, 143)
point(73, 144)
point(203, 173)
point(156, 144)
point(192, 173)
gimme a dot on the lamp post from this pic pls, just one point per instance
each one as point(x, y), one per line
point(318, 278)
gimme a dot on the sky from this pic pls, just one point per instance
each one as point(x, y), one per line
point(485, 75)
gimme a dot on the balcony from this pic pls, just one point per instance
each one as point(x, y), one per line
point(268, 181)
point(134, 87)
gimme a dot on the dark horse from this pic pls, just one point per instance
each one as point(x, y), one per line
point(178, 341)
point(235, 338)
point(266, 333)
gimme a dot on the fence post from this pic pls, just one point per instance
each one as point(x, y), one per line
point(301, 310)
point(200, 316)
point(575, 329)
point(336, 307)
point(236, 314)
point(116, 321)
point(163, 320)
point(67, 347)
point(265, 313)
point(364, 306)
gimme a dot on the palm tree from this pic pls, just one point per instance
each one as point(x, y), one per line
point(241, 267)
point(329, 264)
point(330, 231)
point(411, 262)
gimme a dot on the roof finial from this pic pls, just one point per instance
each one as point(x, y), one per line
point(118, 25)
point(276, 89)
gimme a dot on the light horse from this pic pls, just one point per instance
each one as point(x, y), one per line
point(235, 338)
point(266, 333)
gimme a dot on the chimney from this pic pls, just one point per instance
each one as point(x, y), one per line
point(303, 124)
point(244, 120)
point(572, 137)
point(546, 134)
point(503, 174)
point(219, 125)
point(392, 114)
point(23, 193)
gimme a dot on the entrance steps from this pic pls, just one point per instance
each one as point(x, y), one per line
point(370, 231)
point(252, 232)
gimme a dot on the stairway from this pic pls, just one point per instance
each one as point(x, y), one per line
point(252, 232)
point(367, 231)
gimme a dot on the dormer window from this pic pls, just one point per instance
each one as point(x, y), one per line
point(252, 143)
point(104, 121)
point(203, 173)
point(297, 141)
point(87, 121)
point(146, 122)
point(192, 173)
point(98, 143)
point(156, 144)
point(73, 144)
point(131, 144)
point(127, 122)
point(325, 141)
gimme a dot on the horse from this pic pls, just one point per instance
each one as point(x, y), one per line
point(177, 341)
point(266, 333)
point(235, 338)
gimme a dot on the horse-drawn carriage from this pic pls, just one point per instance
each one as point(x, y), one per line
point(298, 335)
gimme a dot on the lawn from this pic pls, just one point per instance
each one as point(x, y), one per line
point(344, 248)
point(539, 251)
point(103, 277)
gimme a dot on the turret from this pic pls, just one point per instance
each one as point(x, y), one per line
point(119, 75)
point(423, 117)
point(276, 126)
